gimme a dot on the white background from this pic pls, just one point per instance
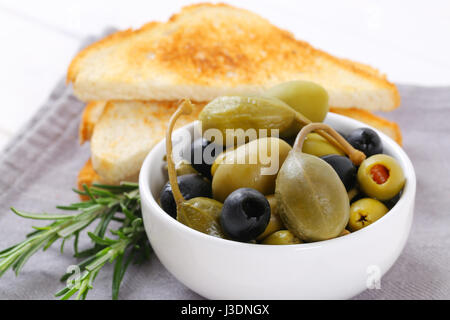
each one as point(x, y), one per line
point(407, 40)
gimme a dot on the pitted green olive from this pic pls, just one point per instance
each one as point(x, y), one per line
point(308, 98)
point(364, 212)
point(282, 237)
point(275, 223)
point(252, 165)
point(380, 176)
point(318, 146)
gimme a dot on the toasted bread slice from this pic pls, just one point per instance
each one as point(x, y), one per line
point(89, 118)
point(93, 111)
point(126, 132)
point(210, 50)
point(88, 176)
point(388, 127)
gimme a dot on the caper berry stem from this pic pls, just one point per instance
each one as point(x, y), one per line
point(305, 121)
point(355, 155)
point(184, 108)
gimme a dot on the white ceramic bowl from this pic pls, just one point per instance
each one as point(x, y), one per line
point(222, 269)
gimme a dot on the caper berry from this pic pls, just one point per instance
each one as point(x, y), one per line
point(312, 200)
point(318, 146)
point(236, 112)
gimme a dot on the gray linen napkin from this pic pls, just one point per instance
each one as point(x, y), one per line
point(39, 167)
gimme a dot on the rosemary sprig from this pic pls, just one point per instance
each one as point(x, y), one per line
point(106, 203)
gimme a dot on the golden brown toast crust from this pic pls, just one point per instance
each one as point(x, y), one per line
point(390, 128)
point(91, 115)
point(212, 52)
point(87, 176)
point(127, 131)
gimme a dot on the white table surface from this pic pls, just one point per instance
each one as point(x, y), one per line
point(407, 40)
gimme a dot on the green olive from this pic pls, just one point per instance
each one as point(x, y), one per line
point(380, 176)
point(252, 165)
point(364, 212)
point(219, 160)
point(318, 146)
point(216, 162)
point(282, 237)
point(275, 222)
point(308, 98)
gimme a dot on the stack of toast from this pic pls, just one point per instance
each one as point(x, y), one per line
point(133, 81)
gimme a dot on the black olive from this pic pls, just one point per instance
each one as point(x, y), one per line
point(245, 214)
point(366, 140)
point(191, 186)
point(344, 168)
point(392, 202)
point(358, 196)
point(203, 154)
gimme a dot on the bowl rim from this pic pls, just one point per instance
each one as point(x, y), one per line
point(407, 196)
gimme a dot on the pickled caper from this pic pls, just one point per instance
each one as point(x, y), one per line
point(312, 200)
point(318, 146)
point(201, 214)
point(241, 113)
point(235, 112)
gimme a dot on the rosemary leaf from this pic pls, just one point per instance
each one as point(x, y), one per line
point(106, 203)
